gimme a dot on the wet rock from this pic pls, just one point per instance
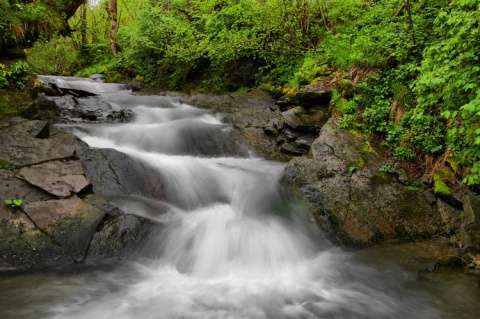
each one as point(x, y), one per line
point(136, 85)
point(46, 232)
point(59, 178)
point(69, 222)
point(70, 109)
point(113, 173)
point(362, 206)
point(308, 120)
point(119, 236)
point(25, 247)
point(250, 114)
point(97, 77)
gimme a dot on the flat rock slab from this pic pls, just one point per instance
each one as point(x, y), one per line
point(70, 222)
point(59, 178)
point(19, 146)
point(12, 187)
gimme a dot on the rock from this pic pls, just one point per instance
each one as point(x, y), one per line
point(119, 236)
point(361, 207)
point(19, 146)
point(429, 197)
point(12, 187)
point(250, 114)
point(305, 142)
point(290, 148)
point(306, 97)
point(42, 165)
point(113, 173)
point(43, 109)
point(70, 109)
point(24, 247)
point(97, 77)
point(291, 134)
point(69, 222)
point(308, 120)
point(427, 179)
point(59, 178)
point(136, 85)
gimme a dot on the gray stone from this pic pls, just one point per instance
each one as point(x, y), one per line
point(361, 207)
point(290, 148)
point(72, 109)
point(429, 197)
point(308, 120)
point(113, 173)
point(70, 222)
point(59, 178)
point(19, 147)
point(24, 247)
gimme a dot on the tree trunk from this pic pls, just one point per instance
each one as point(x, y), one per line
point(113, 19)
point(83, 27)
point(408, 7)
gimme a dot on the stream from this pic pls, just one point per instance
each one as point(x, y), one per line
point(233, 241)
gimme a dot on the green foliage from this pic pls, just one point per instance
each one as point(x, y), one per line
point(7, 165)
point(387, 168)
point(14, 203)
point(22, 21)
point(15, 75)
point(449, 80)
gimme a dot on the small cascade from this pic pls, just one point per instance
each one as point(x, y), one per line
point(234, 243)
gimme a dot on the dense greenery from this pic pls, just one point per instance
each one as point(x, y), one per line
point(405, 71)
point(21, 21)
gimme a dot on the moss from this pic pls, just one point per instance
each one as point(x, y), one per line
point(411, 188)
point(366, 148)
point(439, 186)
point(360, 162)
point(355, 133)
point(7, 165)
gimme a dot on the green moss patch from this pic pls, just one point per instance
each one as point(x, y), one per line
point(439, 186)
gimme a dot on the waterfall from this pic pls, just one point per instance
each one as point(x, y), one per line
point(234, 242)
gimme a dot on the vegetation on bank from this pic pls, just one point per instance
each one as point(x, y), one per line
point(406, 71)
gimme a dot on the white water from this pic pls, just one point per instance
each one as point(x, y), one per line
point(234, 243)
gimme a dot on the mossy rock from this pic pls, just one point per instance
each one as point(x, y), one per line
point(440, 188)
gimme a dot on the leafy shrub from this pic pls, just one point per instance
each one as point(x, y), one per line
point(15, 75)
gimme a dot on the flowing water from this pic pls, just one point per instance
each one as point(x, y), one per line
point(233, 242)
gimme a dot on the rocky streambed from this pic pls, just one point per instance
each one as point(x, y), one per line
point(67, 219)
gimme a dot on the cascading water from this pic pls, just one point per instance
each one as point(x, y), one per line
point(233, 243)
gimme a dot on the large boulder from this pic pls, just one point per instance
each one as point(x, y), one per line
point(357, 204)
